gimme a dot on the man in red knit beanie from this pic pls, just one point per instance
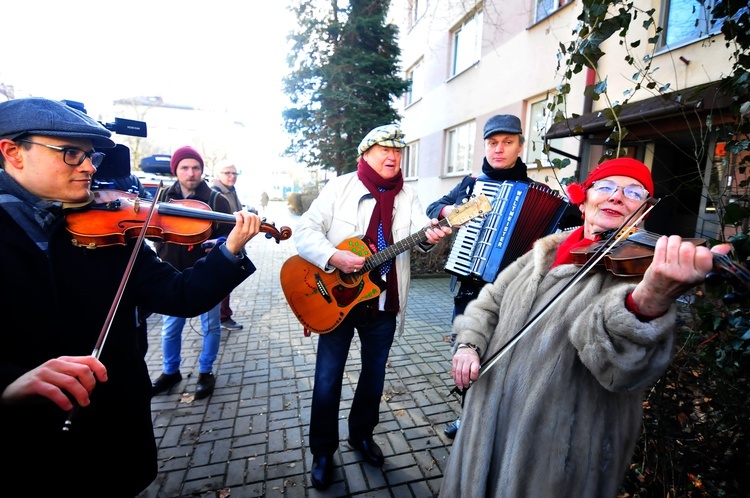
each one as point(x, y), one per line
point(187, 165)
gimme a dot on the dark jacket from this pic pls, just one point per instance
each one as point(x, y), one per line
point(184, 256)
point(57, 305)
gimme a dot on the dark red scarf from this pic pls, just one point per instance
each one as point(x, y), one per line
point(383, 212)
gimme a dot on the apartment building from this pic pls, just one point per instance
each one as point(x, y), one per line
point(469, 60)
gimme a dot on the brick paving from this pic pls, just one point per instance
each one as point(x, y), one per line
point(250, 437)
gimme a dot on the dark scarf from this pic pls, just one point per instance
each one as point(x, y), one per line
point(384, 191)
point(516, 173)
point(35, 216)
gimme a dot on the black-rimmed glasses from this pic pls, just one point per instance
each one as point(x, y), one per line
point(72, 156)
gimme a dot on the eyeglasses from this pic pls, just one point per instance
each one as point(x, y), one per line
point(608, 187)
point(229, 173)
point(73, 156)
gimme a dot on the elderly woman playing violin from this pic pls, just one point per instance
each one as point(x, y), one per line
point(560, 413)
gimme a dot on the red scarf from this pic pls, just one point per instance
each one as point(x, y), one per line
point(383, 212)
point(574, 241)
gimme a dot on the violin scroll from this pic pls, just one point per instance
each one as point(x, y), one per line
point(272, 232)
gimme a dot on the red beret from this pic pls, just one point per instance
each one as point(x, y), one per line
point(185, 152)
point(622, 166)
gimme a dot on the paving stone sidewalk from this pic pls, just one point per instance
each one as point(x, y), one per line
point(249, 438)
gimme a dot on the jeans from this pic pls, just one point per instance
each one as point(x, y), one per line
point(376, 331)
point(171, 340)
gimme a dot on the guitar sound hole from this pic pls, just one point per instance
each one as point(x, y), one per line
point(349, 279)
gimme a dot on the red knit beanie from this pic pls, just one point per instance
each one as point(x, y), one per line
point(622, 166)
point(185, 152)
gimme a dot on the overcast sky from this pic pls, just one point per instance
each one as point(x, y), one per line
point(189, 52)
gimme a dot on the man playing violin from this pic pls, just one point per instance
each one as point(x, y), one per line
point(49, 153)
point(561, 412)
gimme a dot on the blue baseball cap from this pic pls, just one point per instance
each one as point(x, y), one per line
point(38, 116)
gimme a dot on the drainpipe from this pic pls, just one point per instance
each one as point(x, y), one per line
point(588, 104)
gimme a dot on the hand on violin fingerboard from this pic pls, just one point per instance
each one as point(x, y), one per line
point(247, 227)
point(677, 266)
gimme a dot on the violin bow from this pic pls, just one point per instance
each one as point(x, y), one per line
point(615, 237)
point(118, 297)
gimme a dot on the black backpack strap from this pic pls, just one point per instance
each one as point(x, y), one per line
point(212, 199)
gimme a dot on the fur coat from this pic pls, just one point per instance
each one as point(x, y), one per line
point(560, 412)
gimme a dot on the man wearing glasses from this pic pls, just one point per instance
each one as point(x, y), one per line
point(224, 184)
point(62, 293)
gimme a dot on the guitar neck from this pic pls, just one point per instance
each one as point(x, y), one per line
point(394, 250)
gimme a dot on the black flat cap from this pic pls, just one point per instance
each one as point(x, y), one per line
point(38, 116)
point(502, 123)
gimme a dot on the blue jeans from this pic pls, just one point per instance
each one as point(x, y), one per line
point(376, 332)
point(171, 340)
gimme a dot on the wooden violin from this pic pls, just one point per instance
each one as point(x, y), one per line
point(114, 217)
point(632, 256)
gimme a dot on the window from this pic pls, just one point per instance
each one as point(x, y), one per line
point(415, 75)
point(467, 44)
point(460, 149)
point(545, 8)
point(409, 160)
point(688, 20)
point(540, 120)
point(417, 9)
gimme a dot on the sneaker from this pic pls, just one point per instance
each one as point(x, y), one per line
point(230, 324)
point(452, 429)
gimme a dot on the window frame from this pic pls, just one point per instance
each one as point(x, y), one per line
point(535, 128)
point(696, 28)
point(557, 4)
point(459, 50)
point(410, 160)
point(459, 141)
point(417, 83)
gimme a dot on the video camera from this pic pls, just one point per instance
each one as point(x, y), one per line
point(116, 163)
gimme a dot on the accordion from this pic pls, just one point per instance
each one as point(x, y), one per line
point(521, 213)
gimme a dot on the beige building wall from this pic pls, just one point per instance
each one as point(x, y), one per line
point(517, 68)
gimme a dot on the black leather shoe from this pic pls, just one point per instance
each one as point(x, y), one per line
point(205, 386)
point(371, 452)
point(322, 471)
point(164, 382)
point(452, 429)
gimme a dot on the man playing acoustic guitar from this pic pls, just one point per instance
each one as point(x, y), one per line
point(373, 201)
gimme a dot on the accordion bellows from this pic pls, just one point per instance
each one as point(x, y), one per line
point(521, 213)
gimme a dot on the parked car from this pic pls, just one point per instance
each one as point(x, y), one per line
point(151, 182)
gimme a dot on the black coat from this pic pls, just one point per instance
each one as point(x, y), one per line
point(56, 305)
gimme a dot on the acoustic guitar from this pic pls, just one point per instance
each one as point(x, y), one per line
point(321, 300)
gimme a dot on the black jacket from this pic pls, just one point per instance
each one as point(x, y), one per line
point(184, 256)
point(56, 305)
